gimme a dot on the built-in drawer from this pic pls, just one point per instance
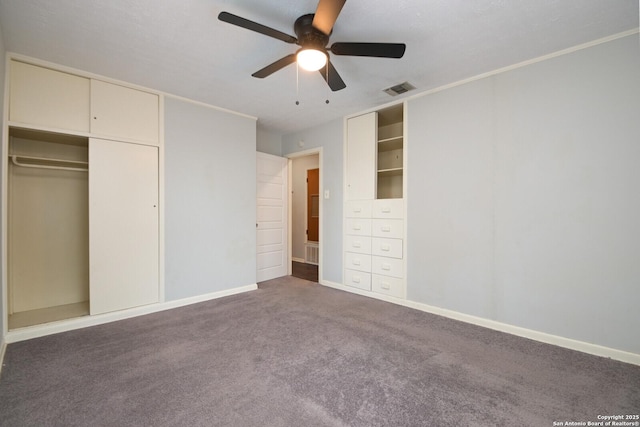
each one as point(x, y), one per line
point(358, 226)
point(387, 266)
point(388, 208)
point(361, 262)
point(386, 247)
point(358, 209)
point(357, 279)
point(390, 228)
point(391, 286)
point(358, 244)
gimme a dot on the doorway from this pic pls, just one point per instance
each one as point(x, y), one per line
point(305, 214)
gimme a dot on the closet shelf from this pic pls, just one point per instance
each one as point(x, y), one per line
point(389, 144)
point(49, 163)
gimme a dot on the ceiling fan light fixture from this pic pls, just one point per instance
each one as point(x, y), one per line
point(311, 59)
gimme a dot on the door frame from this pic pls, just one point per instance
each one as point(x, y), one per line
point(291, 157)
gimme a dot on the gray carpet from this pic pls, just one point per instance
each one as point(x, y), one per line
point(294, 353)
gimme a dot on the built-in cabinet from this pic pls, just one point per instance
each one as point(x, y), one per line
point(374, 240)
point(83, 195)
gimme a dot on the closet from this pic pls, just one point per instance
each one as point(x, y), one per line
point(82, 173)
point(48, 227)
point(374, 239)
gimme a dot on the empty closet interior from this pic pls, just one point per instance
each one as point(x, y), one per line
point(48, 227)
point(390, 153)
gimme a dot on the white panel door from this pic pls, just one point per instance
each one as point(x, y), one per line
point(361, 156)
point(271, 217)
point(123, 225)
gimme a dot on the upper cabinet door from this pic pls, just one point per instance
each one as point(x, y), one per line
point(361, 157)
point(124, 113)
point(50, 99)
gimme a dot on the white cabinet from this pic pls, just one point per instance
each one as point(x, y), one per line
point(123, 225)
point(124, 113)
point(374, 241)
point(361, 157)
point(106, 239)
point(47, 98)
point(357, 256)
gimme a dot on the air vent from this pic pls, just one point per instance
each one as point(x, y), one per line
point(399, 89)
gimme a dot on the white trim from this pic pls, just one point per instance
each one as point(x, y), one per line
point(161, 199)
point(526, 63)
point(82, 73)
point(304, 153)
point(83, 322)
point(294, 259)
point(204, 104)
point(498, 71)
point(3, 349)
point(4, 198)
point(584, 347)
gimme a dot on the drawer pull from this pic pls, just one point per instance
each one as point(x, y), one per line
point(385, 285)
point(355, 262)
point(386, 267)
point(356, 245)
point(357, 210)
point(386, 209)
point(356, 279)
point(357, 227)
point(385, 248)
point(385, 228)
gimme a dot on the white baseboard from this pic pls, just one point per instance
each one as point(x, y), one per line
point(294, 259)
point(86, 321)
point(3, 348)
point(569, 343)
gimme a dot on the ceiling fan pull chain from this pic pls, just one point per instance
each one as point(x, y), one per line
point(327, 80)
point(297, 83)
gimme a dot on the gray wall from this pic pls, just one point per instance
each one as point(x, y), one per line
point(210, 200)
point(330, 137)
point(2, 79)
point(268, 142)
point(523, 200)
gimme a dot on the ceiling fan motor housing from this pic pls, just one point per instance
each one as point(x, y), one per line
point(308, 35)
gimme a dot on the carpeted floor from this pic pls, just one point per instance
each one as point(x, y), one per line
point(294, 353)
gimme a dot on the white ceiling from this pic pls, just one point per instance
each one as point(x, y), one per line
point(180, 47)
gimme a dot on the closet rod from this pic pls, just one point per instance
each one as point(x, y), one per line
point(14, 160)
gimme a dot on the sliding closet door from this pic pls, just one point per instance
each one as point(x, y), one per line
point(123, 225)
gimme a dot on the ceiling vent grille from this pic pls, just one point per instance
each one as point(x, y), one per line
point(399, 89)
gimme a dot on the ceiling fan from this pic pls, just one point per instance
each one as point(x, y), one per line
point(313, 31)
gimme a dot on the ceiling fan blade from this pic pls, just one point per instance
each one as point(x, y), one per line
point(272, 68)
point(332, 77)
point(254, 26)
point(378, 50)
point(326, 14)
